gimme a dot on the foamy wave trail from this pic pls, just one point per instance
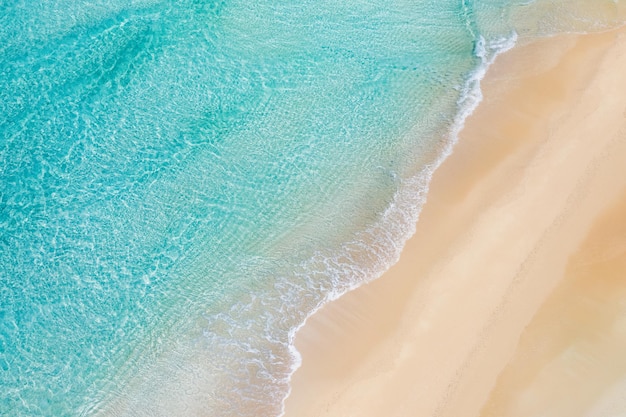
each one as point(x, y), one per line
point(184, 183)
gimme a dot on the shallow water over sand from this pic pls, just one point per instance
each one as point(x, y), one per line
point(182, 183)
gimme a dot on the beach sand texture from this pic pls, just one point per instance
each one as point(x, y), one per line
point(510, 300)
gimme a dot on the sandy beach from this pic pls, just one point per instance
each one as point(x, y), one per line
point(510, 300)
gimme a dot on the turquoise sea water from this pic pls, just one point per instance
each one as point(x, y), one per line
point(183, 183)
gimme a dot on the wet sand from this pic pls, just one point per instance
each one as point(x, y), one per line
point(510, 300)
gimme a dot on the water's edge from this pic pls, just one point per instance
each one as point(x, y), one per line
point(403, 213)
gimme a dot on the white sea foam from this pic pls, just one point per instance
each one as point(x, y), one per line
point(254, 338)
point(398, 222)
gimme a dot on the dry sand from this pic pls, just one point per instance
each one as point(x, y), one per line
point(511, 298)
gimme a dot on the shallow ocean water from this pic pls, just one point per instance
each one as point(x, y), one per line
point(183, 183)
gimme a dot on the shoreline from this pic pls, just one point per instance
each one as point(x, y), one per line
point(429, 337)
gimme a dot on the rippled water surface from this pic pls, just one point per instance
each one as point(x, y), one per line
point(182, 183)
